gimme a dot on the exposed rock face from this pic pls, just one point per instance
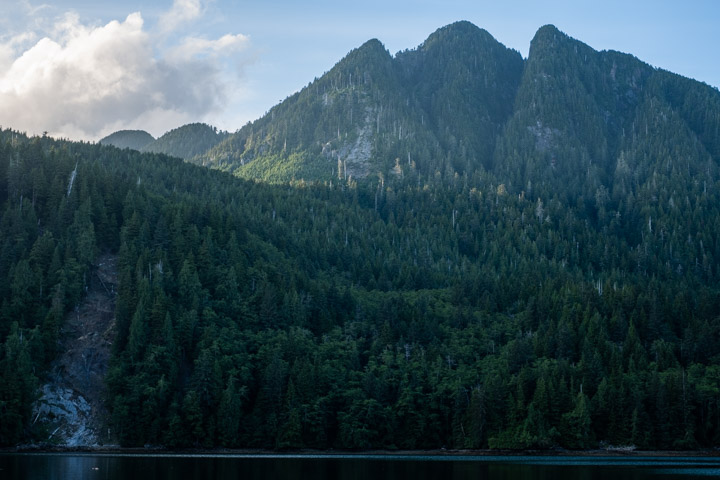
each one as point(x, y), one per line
point(544, 136)
point(356, 157)
point(69, 413)
point(71, 405)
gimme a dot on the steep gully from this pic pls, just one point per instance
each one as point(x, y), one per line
point(71, 406)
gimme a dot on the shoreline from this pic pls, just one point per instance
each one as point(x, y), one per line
point(162, 451)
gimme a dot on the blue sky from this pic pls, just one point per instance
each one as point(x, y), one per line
point(82, 69)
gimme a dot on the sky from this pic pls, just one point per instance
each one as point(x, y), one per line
point(82, 69)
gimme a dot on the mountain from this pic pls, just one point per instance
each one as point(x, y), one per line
point(377, 114)
point(183, 142)
point(186, 141)
point(463, 103)
point(464, 82)
point(134, 139)
point(493, 253)
point(588, 123)
point(329, 129)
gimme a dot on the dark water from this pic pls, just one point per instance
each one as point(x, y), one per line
point(348, 467)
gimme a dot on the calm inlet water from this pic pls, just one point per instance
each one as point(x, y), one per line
point(348, 467)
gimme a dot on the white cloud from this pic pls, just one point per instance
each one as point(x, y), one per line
point(82, 81)
point(18, 13)
point(32, 9)
point(181, 12)
point(199, 47)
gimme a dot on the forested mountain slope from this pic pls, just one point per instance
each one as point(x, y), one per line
point(460, 103)
point(355, 316)
point(589, 124)
point(544, 273)
point(465, 83)
point(434, 108)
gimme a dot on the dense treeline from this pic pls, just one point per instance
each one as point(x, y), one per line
point(386, 313)
point(58, 210)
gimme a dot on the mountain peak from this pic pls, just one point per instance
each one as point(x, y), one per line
point(135, 139)
point(373, 44)
point(548, 28)
point(548, 31)
point(456, 31)
point(547, 36)
point(371, 50)
point(548, 42)
point(461, 26)
point(371, 54)
point(550, 37)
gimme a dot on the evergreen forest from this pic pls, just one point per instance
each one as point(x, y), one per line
point(530, 264)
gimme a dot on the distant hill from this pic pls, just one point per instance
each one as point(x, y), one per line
point(187, 141)
point(183, 142)
point(135, 139)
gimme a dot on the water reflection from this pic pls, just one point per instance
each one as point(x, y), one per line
point(347, 467)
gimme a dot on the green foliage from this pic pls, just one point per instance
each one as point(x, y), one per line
point(552, 281)
point(18, 388)
point(285, 169)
